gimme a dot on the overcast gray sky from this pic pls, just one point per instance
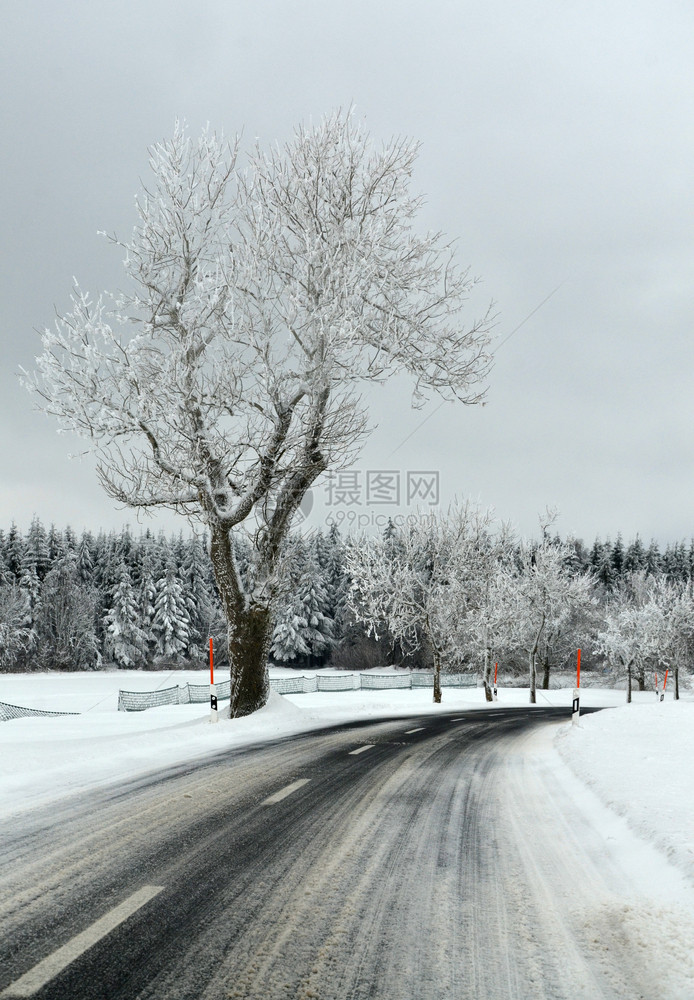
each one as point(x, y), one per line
point(557, 147)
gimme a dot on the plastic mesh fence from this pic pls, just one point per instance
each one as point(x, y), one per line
point(424, 678)
point(201, 692)
point(369, 682)
point(457, 680)
point(8, 712)
point(338, 682)
point(138, 701)
point(293, 685)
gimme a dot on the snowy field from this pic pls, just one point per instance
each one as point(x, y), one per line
point(639, 760)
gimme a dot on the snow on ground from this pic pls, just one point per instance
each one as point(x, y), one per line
point(43, 758)
point(639, 760)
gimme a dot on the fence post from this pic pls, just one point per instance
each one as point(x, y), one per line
point(214, 715)
point(576, 707)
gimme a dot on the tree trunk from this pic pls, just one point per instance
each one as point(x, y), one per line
point(436, 656)
point(629, 684)
point(533, 677)
point(249, 630)
point(487, 678)
point(642, 682)
point(545, 676)
point(677, 683)
point(533, 662)
point(250, 639)
point(437, 674)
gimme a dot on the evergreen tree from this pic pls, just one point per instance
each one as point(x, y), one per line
point(318, 631)
point(125, 640)
point(677, 568)
point(577, 559)
point(653, 561)
point(6, 577)
point(31, 585)
point(304, 630)
point(36, 549)
point(289, 639)
point(14, 551)
point(337, 583)
point(202, 607)
point(635, 557)
point(124, 549)
point(70, 539)
point(85, 558)
point(618, 558)
point(605, 573)
point(56, 544)
point(171, 621)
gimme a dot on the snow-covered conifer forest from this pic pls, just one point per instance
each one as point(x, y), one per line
point(457, 592)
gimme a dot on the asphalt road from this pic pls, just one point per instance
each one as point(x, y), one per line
point(392, 860)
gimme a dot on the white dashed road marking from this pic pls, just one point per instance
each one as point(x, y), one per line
point(284, 792)
point(420, 730)
point(362, 749)
point(33, 980)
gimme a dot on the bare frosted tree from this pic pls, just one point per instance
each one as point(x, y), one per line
point(260, 301)
point(537, 598)
point(17, 637)
point(649, 623)
point(419, 582)
point(672, 625)
point(481, 602)
point(625, 639)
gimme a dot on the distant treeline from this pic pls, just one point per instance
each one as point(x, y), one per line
point(611, 562)
point(72, 602)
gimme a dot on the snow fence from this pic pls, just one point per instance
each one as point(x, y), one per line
point(8, 712)
point(184, 694)
point(179, 694)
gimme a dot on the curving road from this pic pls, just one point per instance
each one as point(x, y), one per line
point(392, 860)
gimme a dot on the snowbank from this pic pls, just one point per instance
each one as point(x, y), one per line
point(640, 762)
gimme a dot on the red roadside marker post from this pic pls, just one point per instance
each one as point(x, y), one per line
point(496, 667)
point(662, 693)
point(576, 707)
point(214, 717)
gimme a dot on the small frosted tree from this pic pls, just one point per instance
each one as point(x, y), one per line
point(536, 599)
point(17, 636)
point(626, 635)
point(417, 582)
point(258, 303)
point(675, 637)
point(480, 600)
point(665, 611)
point(66, 620)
